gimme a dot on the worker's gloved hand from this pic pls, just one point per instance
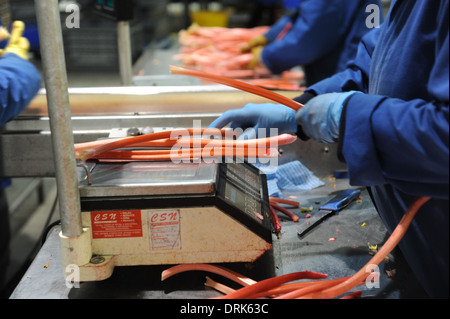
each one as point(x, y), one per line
point(258, 41)
point(261, 117)
point(18, 44)
point(320, 117)
point(256, 60)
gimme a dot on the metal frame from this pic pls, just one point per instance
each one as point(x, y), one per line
point(55, 75)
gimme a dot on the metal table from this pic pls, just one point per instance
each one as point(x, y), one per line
point(351, 230)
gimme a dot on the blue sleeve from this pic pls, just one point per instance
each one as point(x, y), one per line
point(277, 28)
point(402, 138)
point(310, 38)
point(356, 76)
point(389, 138)
point(19, 83)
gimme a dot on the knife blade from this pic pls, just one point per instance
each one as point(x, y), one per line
point(329, 209)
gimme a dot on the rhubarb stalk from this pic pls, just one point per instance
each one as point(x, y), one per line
point(250, 88)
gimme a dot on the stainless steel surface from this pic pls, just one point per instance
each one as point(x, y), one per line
point(30, 154)
point(53, 61)
point(146, 178)
point(104, 123)
point(124, 45)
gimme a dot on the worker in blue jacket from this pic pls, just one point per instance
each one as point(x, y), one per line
point(320, 35)
point(19, 83)
point(389, 113)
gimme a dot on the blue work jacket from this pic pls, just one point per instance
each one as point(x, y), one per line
point(19, 83)
point(323, 37)
point(395, 138)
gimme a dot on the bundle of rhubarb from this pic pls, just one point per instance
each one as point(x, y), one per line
point(289, 286)
point(182, 144)
point(218, 50)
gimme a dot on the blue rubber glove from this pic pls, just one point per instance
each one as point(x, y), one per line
point(320, 117)
point(261, 117)
point(19, 83)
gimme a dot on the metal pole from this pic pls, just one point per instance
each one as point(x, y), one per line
point(125, 59)
point(55, 76)
point(5, 13)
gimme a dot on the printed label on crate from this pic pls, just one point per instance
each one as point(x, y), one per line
point(116, 224)
point(164, 227)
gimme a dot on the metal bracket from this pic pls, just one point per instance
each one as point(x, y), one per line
point(86, 169)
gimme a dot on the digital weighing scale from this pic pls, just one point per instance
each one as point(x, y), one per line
point(154, 213)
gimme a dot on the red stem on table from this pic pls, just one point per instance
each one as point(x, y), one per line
point(388, 246)
point(285, 211)
point(227, 273)
point(281, 289)
point(267, 284)
point(284, 201)
point(165, 155)
point(87, 152)
point(275, 221)
point(319, 290)
point(354, 295)
point(152, 141)
point(317, 286)
point(281, 139)
point(218, 286)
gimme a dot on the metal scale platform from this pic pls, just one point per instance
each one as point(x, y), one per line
point(156, 213)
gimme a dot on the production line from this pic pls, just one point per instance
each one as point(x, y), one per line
point(146, 106)
point(124, 223)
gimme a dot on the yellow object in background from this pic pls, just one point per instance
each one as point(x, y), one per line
point(17, 43)
point(206, 18)
point(258, 41)
point(256, 60)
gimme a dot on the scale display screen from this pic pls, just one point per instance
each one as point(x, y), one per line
point(243, 190)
